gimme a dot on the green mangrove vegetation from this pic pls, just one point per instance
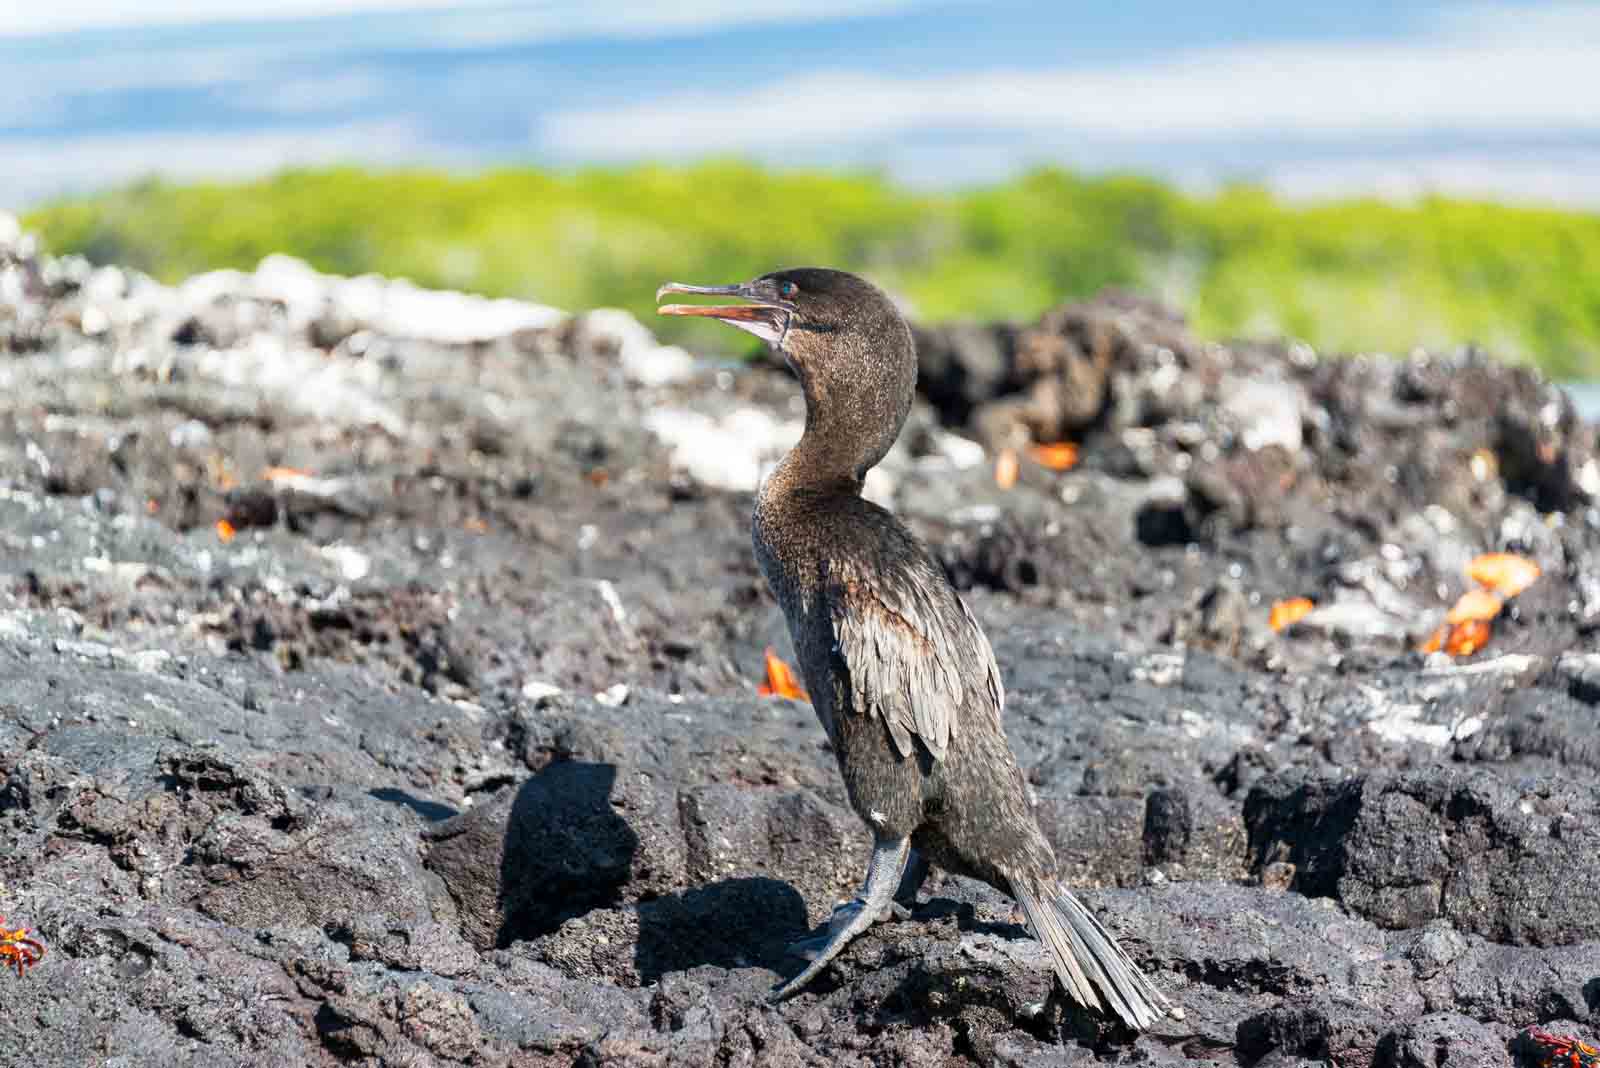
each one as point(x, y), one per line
point(1359, 275)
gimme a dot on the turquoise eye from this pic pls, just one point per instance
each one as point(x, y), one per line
point(787, 289)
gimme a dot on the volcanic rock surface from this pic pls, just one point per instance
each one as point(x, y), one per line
point(377, 686)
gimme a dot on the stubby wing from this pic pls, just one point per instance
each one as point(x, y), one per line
point(914, 655)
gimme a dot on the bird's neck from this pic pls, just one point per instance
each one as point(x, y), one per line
point(848, 431)
point(815, 466)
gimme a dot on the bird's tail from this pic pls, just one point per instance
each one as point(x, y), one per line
point(1087, 958)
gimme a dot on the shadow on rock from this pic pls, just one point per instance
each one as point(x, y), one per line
point(965, 917)
point(553, 847)
point(736, 923)
point(432, 811)
point(566, 849)
point(730, 925)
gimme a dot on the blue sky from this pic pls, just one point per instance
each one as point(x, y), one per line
point(1495, 99)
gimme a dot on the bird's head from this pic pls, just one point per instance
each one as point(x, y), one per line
point(842, 336)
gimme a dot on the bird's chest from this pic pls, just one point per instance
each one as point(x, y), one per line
point(794, 580)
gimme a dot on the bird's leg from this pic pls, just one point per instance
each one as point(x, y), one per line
point(888, 863)
point(811, 946)
point(898, 908)
point(911, 881)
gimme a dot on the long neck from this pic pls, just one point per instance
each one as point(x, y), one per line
point(850, 427)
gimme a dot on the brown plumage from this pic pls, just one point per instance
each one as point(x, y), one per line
point(901, 675)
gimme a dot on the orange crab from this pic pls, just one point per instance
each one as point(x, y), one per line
point(781, 680)
point(16, 948)
point(1559, 1051)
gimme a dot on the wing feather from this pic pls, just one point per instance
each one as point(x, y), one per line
point(914, 654)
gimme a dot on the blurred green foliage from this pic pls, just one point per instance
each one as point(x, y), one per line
point(1353, 275)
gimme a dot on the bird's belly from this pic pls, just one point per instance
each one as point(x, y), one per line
point(888, 791)
point(885, 789)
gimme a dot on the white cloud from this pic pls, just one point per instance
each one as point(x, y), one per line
point(1466, 77)
point(143, 70)
point(64, 15)
point(485, 20)
point(307, 96)
point(563, 19)
point(1571, 20)
point(1571, 179)
point(49, 166)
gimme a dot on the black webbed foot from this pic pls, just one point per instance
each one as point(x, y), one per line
point(877, 897)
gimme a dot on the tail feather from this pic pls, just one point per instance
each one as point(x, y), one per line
point(1087, 958)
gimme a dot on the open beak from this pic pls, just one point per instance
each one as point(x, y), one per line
point(765, 317)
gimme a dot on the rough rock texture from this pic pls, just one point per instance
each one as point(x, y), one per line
point(1512, 861)
point(377, 686)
